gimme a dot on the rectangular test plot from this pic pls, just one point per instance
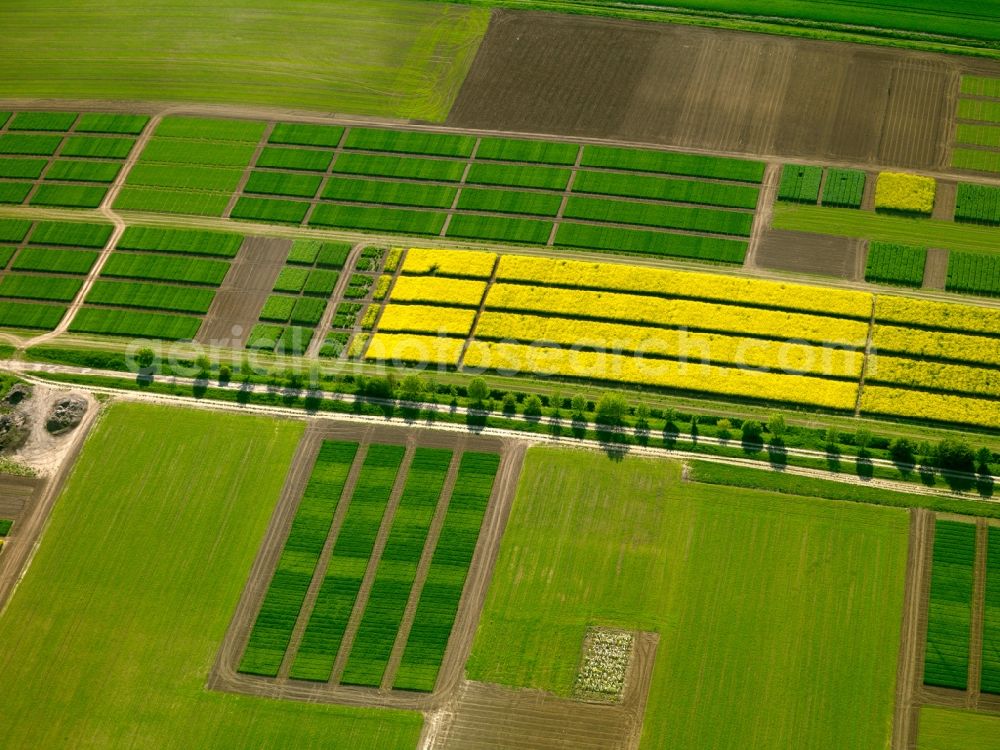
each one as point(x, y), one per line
point(397, 568)
point(287, 591)
point(946, 661)
point(442, 590)
point(348, 563)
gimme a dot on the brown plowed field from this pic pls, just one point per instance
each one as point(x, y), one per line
point(710, 89)
point(936, 269)
point(243, 292)
point(490, 717)
point(811, 253)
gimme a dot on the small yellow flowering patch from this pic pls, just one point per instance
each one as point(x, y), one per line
point(897, 191)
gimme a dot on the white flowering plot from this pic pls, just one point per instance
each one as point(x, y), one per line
point(604, 667)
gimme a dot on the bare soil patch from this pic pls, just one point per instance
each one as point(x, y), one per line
point(944, 201)
point(936, 269)
point(490, 716)
point(811, 253)
point(710, 89)
point(238, 302)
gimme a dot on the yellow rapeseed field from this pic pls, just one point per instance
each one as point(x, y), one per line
point(710, 286)
point(452, 321)
point(469, 263)
point(898, 191)
point(726, 381)
point(438, 291)
point(633, 308)
point(692, 346)
point(910, 311)
point(937, 375)
point(932, 406)
point(413, 349)
point(957, 346)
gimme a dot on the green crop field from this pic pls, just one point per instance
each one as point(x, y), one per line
point(979, 204)
point(83, 171)
point(946, 662)
point(389, 193)
point(186, 177)
point(127, 630)
point(22, 168)
point(844, 188)
point(800, 184)
point(539, 152)
point(974, 274)
point(667, 217)
point(951, 729)
point(643, 242)
point(510, 202)
point(113, 322)
point(286, 592)
point(438, 605)
point(60, 121)
point(278, 308)
point(270, 210)
point(321, 282)
point(303, 134)
point(793, 600)
point(377, 219)
point(990, 682)
point(518, 175)
point(500, 229)
point(282, 183)
point(412, 167)
point(53, 259)
point(967, 24)
point(195, 241)
point(397, 568)
point(690, 165)
point(151, 296)
point(305, 159)
point(901, 265)
point(386, 58)
point(30, 315)
point(342, 579)
point(94, 122)
point(70, 234)
point(666, 189)
point(99, 148)
point(165, 268)
point(897, 229)
point(410, 142)
point(171, 201)
point(291, 280)
point(68, 196)
point(53, 288)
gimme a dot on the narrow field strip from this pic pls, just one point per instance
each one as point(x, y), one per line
point(286, 593)
point(397, 568)
point(348, 563)
point(442, 590)
point(990, 678)
point(946, 661)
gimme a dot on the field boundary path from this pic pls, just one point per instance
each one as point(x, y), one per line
point(28, 372)
point(910, 671)
point(764, 211)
